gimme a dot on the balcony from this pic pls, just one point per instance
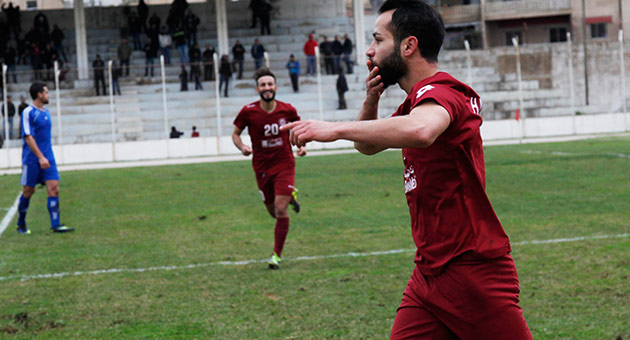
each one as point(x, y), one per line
point(461, 14)
point(501, 10)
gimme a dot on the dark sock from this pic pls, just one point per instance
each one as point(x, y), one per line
point(22, 209)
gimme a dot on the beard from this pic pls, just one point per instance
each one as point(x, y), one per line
point(268, 100)
point(392, 68)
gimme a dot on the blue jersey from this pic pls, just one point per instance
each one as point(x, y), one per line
point(37, 123)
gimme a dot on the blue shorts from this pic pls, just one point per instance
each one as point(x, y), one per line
point(32, 174)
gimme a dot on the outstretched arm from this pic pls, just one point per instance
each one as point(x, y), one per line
point(419, 129)
point(238, 142)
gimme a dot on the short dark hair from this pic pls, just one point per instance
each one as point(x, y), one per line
point(418, 19)
point(262, 72)
point(36, 89)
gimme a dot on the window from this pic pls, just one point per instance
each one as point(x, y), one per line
point(31, 4)
point(557, 34)
point(510, 34)
point(598, 30)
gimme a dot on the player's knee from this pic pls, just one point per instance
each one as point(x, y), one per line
point(53, 191)
point(281, 211)
point(27, 192)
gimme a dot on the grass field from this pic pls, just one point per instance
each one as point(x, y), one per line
point(192, 217)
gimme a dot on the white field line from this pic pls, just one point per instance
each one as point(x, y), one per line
point(558, 153)
point(9, 216)
point(301, 258)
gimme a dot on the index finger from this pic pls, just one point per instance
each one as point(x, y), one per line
point(288, 126)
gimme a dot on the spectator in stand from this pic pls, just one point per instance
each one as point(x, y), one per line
point(153, 32)
point(13, 18)
point(48, 58)
point(195, 69)
point(238, 51)
point(11, 109)
point(208, 63)
point(192, 22)
point(40, 23)
point(194, 54)
point(10, 55)
point(23, 105)
point(174, 133)
point(309, 51)
point(165, 44)
point(57, 36)
point(36, 60)
point(143, 14)
point(337, 50)
point(342, 88)
point(253, 6)
point(180, 42)
point(150, 53)
point(99, 74)
point(264, 13)
point(194, 133)
point(172, 21)
point(325, 48)
point(124, 54)
point(347, 51)
point(155, 20)
point(225, 73)
point(134, 29)
point(183, 78)
point(116, 73)
point(258, 53)
point(21, 51)
point(293, 65)
point(180, 7)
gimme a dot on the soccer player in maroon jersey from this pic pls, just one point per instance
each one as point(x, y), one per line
point(273, 160)
point(464, 284)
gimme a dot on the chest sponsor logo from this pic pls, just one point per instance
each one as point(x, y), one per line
point(423, 90)
point(410, 179)
point(271, 143)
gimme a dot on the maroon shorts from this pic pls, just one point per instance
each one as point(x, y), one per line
point(470, 299)
point(279, 183)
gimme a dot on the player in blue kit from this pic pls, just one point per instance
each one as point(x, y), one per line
point(38, 160)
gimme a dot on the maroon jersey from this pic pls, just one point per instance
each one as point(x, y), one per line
point(445, 182)
point(272, 151)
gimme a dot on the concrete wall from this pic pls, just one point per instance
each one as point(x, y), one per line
point(196, 147)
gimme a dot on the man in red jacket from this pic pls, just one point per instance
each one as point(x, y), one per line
point(309, 50)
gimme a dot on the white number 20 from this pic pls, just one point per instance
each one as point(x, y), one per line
point(271, 130)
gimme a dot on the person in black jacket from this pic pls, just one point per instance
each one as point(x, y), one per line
point(208, 63)
point(183, 78)
point(326, 51)
point(150, 53)
point(225, 73)
point(99, 74)
point(192, 22)
point(347, 51)
point(238, 52)
point(337, 50)
point(342, 88)
point(57, 38)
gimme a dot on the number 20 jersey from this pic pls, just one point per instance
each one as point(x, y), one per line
point(272, 151)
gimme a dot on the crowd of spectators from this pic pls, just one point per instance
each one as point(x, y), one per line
point(39, 47)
